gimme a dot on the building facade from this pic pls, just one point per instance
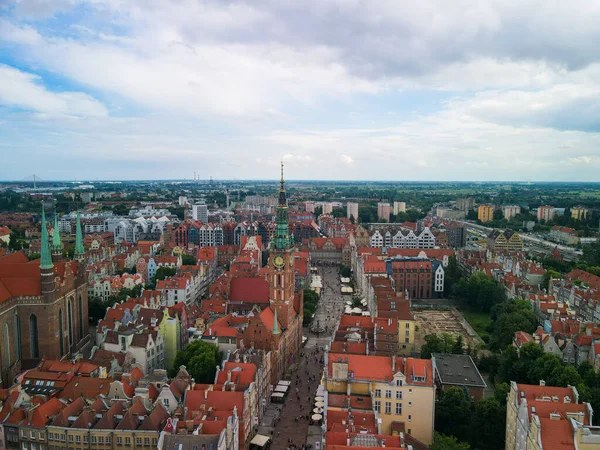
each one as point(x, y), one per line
point(399, 207)
point(43, 307)
point(383, 211)
point(545, 213)
point(485, 213)
point(352, 210)
point(510, 211)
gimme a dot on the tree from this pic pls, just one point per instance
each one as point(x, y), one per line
point(451, 275)
point(188, 260)
point(479, 292)
point(453, 413)
point(96, 309)
point(443, 442)
point(311, 300)
point(549, 274)
point(591, 254)
point(517, 366)
point(458, 346)
point(432, 344)
point(200, 359)
point(488, 425)
point(345, 271)
point(14, 245)
point(162, 273)
point(120, 209)
point(510, 317)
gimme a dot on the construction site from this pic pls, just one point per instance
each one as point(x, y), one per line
point(445, 321)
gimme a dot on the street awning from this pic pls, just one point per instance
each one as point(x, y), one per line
point(260, 440)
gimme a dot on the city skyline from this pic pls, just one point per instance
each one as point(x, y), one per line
point(119, 90)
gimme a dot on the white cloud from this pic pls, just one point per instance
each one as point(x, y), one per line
point(20, 35)
point(212, 78)
point(23, 90)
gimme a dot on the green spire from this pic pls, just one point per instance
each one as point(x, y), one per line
point(45, 259)
point(282, 239)
point(275, 323)
point(56, 245)
point(79, 250)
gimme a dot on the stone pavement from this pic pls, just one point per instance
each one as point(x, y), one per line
point(291, 430)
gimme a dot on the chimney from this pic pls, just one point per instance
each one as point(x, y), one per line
point(542, 383)
point(389, 321)
point(229, 376)
point(393, 364)
point(348, 441)
point(206, 394)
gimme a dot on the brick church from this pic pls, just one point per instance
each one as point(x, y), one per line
point(278, 327)
point(43, 306)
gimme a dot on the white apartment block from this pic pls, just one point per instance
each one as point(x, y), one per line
point(399, 207)
point(352, 210)
point(200, 212)
point(511, 211)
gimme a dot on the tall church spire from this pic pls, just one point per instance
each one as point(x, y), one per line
point(79, 250)
point(45, 259)
point(56, 248)
point(282, 239)
point(56, 244)
point(282, 199)
point(275, 323)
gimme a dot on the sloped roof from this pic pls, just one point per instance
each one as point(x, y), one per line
point(249, 290)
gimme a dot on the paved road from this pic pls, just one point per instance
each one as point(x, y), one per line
point(291, 430)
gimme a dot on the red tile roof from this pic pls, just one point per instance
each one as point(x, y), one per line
point(556, 434)
point(86, 387)
point(268, 318)
point(252, 290)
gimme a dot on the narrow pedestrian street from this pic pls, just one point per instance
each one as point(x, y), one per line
point(292, 427)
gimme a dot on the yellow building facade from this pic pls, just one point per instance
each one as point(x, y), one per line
point(579, 213)
point(485, 213)
point(402, 390)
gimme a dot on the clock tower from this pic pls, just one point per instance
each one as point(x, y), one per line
point(282, 282)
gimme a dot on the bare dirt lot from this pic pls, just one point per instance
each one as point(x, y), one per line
point(444, 321)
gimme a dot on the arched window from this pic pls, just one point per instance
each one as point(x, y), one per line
point(81, 323)
point(33, 337)
point(60, 332)
point(17, 338)
point(70, 320)
point(6, 346)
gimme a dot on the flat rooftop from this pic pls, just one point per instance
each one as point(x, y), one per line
point(457, 370)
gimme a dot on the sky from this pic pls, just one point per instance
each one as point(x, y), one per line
point(337, 89)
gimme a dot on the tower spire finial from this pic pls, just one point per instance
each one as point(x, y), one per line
point(282, 174)
point(45, 259)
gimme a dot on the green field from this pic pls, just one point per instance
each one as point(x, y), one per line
point(479, 321)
